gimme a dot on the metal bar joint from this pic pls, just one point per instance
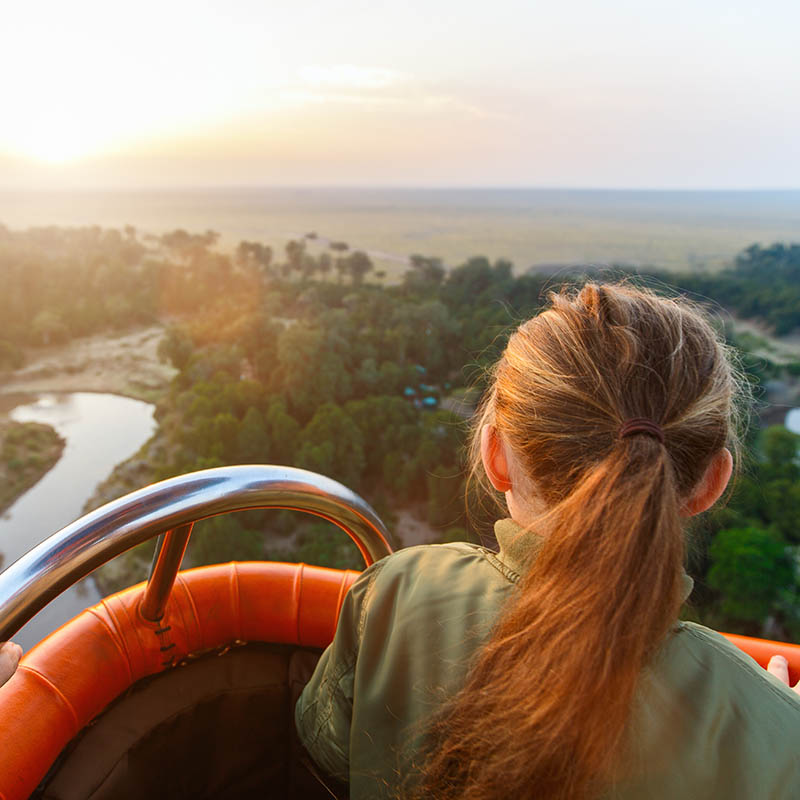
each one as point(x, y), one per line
point(166, 563)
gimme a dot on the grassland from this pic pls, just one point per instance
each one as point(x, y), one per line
point(542, 228)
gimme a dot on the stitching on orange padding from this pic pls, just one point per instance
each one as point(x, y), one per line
point(344, 588)
point(116, 637)
point(236, 598)
point(56, 691)
point(193, 608)
point(137, 629)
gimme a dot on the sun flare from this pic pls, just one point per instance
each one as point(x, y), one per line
point(55, 136)
point(54, 148)
point(56, 122)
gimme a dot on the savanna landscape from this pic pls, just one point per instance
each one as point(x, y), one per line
point(311, 356)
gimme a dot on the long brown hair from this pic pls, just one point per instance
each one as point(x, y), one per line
point(544, 711)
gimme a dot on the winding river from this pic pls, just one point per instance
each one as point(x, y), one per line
point(100, 431)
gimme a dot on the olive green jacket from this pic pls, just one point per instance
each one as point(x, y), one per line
point(708, 723)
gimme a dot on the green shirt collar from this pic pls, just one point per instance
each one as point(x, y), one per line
point(518, 548)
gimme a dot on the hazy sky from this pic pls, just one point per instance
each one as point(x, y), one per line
point(575, 93)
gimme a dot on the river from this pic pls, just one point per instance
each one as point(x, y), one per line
point(100, 430)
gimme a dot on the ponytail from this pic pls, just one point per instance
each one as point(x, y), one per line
point(545, 708)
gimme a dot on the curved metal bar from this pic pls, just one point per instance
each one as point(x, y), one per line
point(69, 555)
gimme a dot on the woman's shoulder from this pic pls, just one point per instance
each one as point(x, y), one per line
point(461, 575)
point(710, 722)
point(464, 560)
point(720, 671)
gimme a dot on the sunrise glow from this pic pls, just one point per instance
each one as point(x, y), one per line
point(528, 95)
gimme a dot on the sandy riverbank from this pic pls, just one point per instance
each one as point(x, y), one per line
point(125, 364)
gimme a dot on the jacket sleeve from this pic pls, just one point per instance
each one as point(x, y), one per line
point(324, 710)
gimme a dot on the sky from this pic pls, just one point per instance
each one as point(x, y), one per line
point(567, 93)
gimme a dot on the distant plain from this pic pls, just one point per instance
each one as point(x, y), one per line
point(539, 228)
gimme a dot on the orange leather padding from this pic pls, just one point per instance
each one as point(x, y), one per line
point(72, 675)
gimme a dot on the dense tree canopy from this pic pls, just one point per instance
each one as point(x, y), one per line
point(308, 361)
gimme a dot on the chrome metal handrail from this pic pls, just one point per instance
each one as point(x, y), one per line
point(170, 508)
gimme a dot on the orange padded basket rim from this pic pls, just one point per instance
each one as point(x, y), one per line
point(70, 677)
point(75, 673)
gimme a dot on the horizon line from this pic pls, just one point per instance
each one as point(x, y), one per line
point(174, 187)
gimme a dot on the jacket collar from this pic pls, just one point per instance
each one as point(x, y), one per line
point(518, 548)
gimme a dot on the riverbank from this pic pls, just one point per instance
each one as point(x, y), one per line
point(126, 364)
point(27, 452)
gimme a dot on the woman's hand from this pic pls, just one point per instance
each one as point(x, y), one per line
point(779, 667)
point(10, 654)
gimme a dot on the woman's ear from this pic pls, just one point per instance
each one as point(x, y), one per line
point(712, 484)
point(494, 459)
